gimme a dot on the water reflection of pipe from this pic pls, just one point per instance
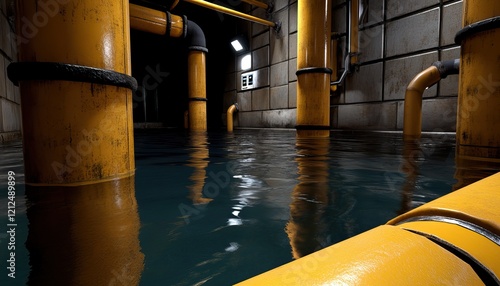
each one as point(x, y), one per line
point(85, 235)
point(310, 197)
point(199, 161)
point(411, 152)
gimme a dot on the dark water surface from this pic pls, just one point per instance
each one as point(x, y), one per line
point(216, 208)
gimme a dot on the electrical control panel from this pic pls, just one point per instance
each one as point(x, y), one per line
point(248, 80)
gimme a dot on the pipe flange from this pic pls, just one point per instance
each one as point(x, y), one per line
point(313, 70)
point(19, 71)
point(480, 26)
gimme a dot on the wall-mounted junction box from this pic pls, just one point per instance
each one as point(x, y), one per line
point(248, 80)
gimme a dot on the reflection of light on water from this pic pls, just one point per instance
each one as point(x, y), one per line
point(234, 221)
point(233, 246)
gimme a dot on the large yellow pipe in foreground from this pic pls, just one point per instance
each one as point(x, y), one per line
point(454, 240)
point(75, 84)
point(478, 116)
point(313, 74)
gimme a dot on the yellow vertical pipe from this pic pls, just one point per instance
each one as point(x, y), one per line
point(313, 59)
point(354, 31)
point(197, 91)
point(77, 132)
point(478, 118)
point(333, 63)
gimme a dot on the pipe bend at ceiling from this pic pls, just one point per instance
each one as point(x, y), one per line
point(195, 36)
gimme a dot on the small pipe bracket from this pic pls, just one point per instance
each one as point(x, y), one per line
point(277, 27)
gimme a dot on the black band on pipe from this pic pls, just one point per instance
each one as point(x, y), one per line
point(313, 70)
point(18, 71)
point(312, 127)
point(184, 26)
point(197, 99)
point(446, 68)
point(481, 26)
point(169, 23)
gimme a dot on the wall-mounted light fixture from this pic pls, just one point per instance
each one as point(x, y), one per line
point(246, 62)
point(239, 44)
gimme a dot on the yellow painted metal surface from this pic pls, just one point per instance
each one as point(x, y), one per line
point(229, 117)
point(85, 235)
point(385, 255)
point(333, 63)
point(231, 12)
point(77, 133)
point(354, 31)
point(313, 51)
point(474, 244)
point(478, 118)
point(154, 21)
point(197, 90)
point(91, 33)
point(412, 119)
point(476, 203)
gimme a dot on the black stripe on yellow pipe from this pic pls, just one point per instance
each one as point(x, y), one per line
point(462, 223)
point(19, 71)
point(480, 26)
point(313, 70)
point(197, 99)
point(485, 274)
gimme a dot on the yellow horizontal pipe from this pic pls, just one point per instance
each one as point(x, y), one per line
point(477, 203)
point(231, 12)
point(154, 21)
point(256, 3)
point(412, 122)
point(229, 115)
point(390, 253)
point(385, 255)
point(473, 243)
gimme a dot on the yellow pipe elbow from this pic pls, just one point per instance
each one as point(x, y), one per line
point(233, 108)
point(412, 120)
